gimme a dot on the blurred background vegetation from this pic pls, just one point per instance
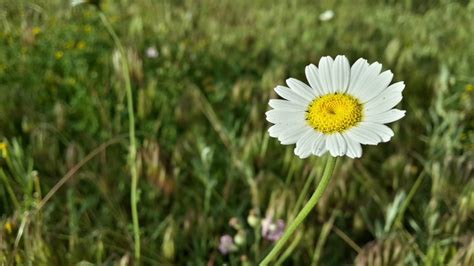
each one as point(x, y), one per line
point(202, 74)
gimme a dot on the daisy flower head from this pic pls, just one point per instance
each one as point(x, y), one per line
point(342, 107)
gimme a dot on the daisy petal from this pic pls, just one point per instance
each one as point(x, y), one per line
point(276, 130)
point(283, 129)
point(312, 76)
point(385, 100)
point(286, 105)
point(386, 117)
point(319, 145)
point(304, 144)
point(309, 145)
point(354, 150)
point(278, 116)
point(293, 134)
point(325, 69)
point(290, 95)
point(384, 132)
point(372, 88)
point(367, 78)
point(340, 73)
point(301, 89)
point(357, 70)
point(333, 145)
point(363, 135)
point(341, 143)
point(399, 86)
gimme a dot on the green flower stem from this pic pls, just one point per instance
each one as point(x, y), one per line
point(328, 171)
point(133, 145)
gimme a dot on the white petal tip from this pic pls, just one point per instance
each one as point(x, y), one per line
point(279, 87)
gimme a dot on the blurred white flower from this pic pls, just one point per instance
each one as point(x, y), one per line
point(342, 108)
point(78, 2)
point(272, 230)
point(152, 52)
point(226, 244)
point(326, 15)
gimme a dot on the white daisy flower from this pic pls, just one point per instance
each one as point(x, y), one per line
point(342, 108)
point(78, 2)
point(326, 15)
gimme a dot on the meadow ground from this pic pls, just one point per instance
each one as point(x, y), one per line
point(201, 74)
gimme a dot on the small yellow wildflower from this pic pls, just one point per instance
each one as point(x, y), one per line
point(59, 54)
point(36, 30)
point(18, 259)
point(69, 44)
point(4, 149)
point(70, 81)
point(87, 14)
point(469, 88)
point(81, 45)
point(87, 28)
point(8, 227)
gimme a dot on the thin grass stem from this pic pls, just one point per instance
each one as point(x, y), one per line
point(132, 145)
point(347, 239)
point(306, 186)
point(290, 249)
point(323, 236)
point(10, 191)
point(328, 171)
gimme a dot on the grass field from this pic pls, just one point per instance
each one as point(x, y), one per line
point(202, 73)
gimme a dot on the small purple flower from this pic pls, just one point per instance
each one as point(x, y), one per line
point(272, 230)
point(227, 245)
point(151, 52)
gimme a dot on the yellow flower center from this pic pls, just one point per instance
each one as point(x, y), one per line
point(3, 149)
point(333, 113)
